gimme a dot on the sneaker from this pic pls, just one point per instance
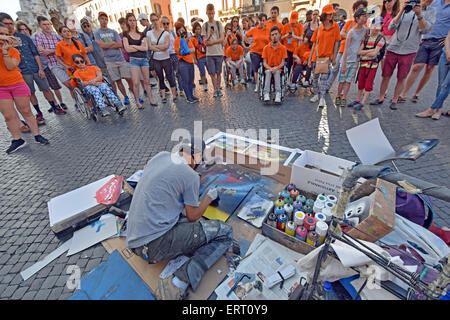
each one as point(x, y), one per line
point(243, 81)
point(337, 102)
point(256, 89)
point(63, 106)
point(194, 100)
point(15, 145)
point(266, 97)
point(105, 113)
point(219, 93)
point(315, 98)
point(40, 117)
point(59, 110)
point(50, 110)
point(393, 106)
point(121, 107)
point(215, 94)
point(322, 103)
point(352, 104)
point(358, 106)
point(168, 291)
point(292, 86)
point(164, 100)
point(278, 97)
point(152, 85)
point(40, 139)
point(205, 87)
point(235, 82)
point(126, 101)
point(343, 102)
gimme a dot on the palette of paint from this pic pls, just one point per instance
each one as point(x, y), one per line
point(306, 219)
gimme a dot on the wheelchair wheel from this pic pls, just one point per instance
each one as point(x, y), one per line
point(82, 103)
point(261, 83)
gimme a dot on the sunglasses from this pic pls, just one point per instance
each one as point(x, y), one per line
point(166, 23)
point(79, 61)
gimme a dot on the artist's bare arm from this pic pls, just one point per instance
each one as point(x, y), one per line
point(195, 213)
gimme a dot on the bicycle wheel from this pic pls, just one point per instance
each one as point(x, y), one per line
point(82, 103)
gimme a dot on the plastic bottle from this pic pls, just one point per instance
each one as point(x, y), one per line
point(329, 292)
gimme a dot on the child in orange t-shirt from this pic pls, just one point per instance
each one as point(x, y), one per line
point(301, 55)
point(235, 60)
point(274, 55)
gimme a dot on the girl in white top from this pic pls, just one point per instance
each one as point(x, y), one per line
point(159, 44)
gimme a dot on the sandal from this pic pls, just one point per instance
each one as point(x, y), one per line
point(446, 114)
point(401, 100)
point(376, 102)
point(436, 116)
point(415, 99)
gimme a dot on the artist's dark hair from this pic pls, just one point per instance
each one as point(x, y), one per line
point(76, 55)
point(4, 16)
point(275, 28)
point(262, 15)
point(41, 18)
point(395, 9)
point(358, 3)
point(128, 15)
point(275, 8)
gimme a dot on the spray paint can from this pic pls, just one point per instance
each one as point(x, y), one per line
point(318, 206)
point(288, 209)
point(297, 205)
point(320, 217)
point(312, 238)
point(294, 193)
point(291, 186)
point(301, 199)
point(288, 200)
point(329, 204)
point(310, 202)
point(290, 228)
point(327, 213)
point(300, 233)
point(321, 198)
point(299, 217)
point(321, 229)
point(307, 209)
point(272, 220)
point(332, 198)
point(281, 224)
point(279, 203)
point(285, 194)
point(279, 211)
point(309, 223)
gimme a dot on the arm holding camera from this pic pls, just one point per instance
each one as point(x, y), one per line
point(395, 22)
point(10, 62)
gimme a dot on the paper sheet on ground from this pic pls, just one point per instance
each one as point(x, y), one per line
point(370, 143)
point(258, 206)
point(173, 266)
point(267, 258)
point(94, 233)
point(27, 273)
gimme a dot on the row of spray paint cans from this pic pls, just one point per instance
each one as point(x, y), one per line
point(304, 218)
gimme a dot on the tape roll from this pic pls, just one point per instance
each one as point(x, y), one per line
point(290, 228)
point(320, 217)
point(299, 217)
point(309, 223)
point(300, 233)
point(332, 198)
point(318, 206)
point(321, 229)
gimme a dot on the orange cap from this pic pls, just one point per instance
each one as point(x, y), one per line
point(328, 9)
point(294, 17)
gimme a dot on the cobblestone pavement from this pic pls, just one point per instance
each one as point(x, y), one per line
point(83, 151)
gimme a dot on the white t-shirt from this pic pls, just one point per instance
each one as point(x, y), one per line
point(159, 55)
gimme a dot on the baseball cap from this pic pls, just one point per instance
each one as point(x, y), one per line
point(142, 16)
point(294, 17)
point(101, 13)
point(84, 20)
point(377, 22)
point(328, 9)
point(360, 12)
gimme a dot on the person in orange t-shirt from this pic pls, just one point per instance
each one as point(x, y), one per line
point(350, 24)
point(13, 89)
point(291, 36)
point(229, 36)
point(300, 57)
point(235, 60)
point(260, 38)
point(325, 44)
point(92, 79)
point(273, 21)
point(274, 56)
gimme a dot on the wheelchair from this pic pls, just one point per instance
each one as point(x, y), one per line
point(283, 80)
point(300, 82)
point(86, 103)
point(228, 75)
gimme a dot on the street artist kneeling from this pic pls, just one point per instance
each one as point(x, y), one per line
point(155, 232)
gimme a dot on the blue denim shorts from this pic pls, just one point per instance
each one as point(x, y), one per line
point(138, 62)
point(201, 66)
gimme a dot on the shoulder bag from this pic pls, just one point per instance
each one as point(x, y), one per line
point(322, 64)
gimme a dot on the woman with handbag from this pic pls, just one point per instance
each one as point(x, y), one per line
point(136, 45)
point(323, 53)
point(246, 25)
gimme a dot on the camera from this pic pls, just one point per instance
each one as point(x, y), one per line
point(183, 34)
point(411, 4)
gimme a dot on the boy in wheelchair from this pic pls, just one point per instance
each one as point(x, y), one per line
point(235, 61)
point(274, 56)
point(91, 79)
point(301, 55)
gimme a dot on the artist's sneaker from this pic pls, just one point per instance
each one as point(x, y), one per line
point(315, 98)
point(15, 145)
point(168, 291)
point(40, 139)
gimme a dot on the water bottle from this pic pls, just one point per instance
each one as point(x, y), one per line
point(329, 292)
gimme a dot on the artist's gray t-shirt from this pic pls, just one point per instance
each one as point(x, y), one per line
point(108, 35)
point(163, 190)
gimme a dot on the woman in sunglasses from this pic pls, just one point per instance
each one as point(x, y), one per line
point(14, 90)
point(92, 79)
point(389, 11)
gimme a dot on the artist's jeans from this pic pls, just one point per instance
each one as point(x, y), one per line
point(205, 241)
point(233, 70)
point(320, 82)
point(186, 71)
point(443, 83)
point(334, 71)
point(97, 93)
point(277, 80)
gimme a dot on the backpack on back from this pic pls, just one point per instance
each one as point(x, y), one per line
point(382, 52)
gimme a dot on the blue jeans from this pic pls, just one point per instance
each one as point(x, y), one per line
point(186, 71)
point(443, 83)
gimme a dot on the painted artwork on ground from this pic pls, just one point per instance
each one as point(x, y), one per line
point(268, 153)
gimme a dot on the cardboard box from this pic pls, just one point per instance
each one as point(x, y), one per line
point(319, 173)
point(381, 219)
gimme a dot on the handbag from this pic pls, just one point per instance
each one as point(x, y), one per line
point(322, 64)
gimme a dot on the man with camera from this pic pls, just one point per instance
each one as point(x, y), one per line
point(413, 20)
